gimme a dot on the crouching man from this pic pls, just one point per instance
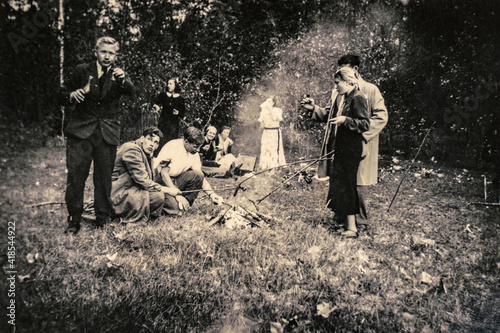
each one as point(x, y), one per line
point(179, 165)
point(135, 195)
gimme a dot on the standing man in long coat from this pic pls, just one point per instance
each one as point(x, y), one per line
point(368, 167)
point(93, 130)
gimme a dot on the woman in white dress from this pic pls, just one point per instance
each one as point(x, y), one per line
point(271, 149)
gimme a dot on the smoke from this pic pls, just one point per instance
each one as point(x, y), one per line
point(304, 65)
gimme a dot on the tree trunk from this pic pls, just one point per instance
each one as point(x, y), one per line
point(60, 28)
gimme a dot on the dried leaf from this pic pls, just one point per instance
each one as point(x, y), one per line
point(408, 316)
point(113, 257)
point(121, 235)
point(362, 256)
point(276, 327)
point(417, 240)
point(426, 278)
point(315, 252)
point(21, 278)
point(324, 309)
point(30, 257)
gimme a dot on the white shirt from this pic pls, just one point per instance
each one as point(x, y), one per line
point(180, 159)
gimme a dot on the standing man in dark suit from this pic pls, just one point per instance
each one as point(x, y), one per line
point(93, 130)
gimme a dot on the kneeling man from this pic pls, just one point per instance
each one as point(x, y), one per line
point(179, 165)
point(134, 193)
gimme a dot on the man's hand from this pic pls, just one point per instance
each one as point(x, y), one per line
point(173, 191)
point(156, 108)
point(175, 112)
point(77, 95)
point(216, 199)
point(183, 202)
point(118, 73)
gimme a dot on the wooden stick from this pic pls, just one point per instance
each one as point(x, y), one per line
point(322, 158)
point(413, 161)
point(47, 203)
point(486, 203)
point(215, 189)
point(291, 177)
point(485, 189)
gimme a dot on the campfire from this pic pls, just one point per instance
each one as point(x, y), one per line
point(237, 217)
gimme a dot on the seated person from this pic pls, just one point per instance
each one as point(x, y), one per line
point(213, 163)
point(224, 145)
point(134, 195)
point(208, 150)
point(179, 167)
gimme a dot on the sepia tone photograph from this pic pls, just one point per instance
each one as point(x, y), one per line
point(239, 166)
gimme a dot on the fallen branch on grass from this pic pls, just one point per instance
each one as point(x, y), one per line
point(486, 203)
point(241, 213)
point(47, 203)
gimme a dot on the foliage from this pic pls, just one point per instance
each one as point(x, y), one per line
point(230, 54)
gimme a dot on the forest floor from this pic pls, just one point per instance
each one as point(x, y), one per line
point(431, 264)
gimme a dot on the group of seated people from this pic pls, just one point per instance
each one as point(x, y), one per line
point(217, 159)
point(145, 187)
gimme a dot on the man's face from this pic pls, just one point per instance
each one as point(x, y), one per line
point(106, 54)
point(192, 148)
point(149, 143)
point(211, 133)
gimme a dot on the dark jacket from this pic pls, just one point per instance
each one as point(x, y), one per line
point(101, 107)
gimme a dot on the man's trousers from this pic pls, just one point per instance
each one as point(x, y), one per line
point(79, 155)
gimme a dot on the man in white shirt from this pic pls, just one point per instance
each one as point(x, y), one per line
point(179, 166)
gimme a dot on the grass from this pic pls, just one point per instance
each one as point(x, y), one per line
point(431, 264)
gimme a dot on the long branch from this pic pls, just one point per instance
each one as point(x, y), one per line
point(322, 158)
point(413, 161)
point(289, 178)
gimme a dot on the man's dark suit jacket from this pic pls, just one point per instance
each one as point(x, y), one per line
point(100, 107)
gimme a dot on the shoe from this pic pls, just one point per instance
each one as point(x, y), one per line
point(230, 172)
point(100, 222)
point(349, 234)
point(237, 169)
point(73, 225)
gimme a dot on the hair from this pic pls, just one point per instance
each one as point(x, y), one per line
point(350, 59)
point(107, 40)
point(275, 100)
point(225, 128)
point(348, 75)
point(177, 88)
point(193, 135)
point(152, 131)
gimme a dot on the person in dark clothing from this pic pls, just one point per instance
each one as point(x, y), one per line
point(173, 110)
point(350, 118)
point(93, 91)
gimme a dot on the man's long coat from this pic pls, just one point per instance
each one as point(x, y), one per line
point(132, 182)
